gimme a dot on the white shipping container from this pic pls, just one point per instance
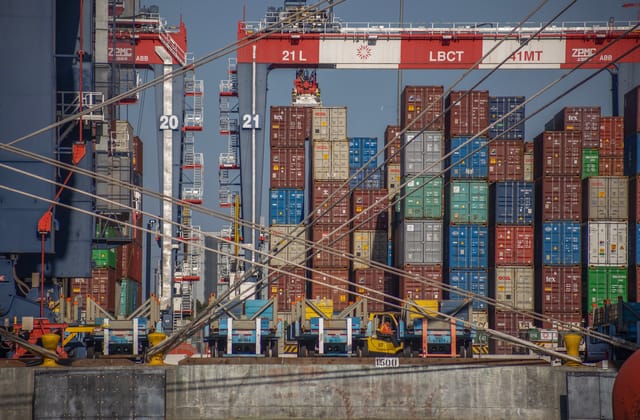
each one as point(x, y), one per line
point(528, 166)
point(607, 198)
point(294, 252)
point(514, 286)
point(369, 245)
point(607, 244)
point(422, 152)
point(393, 179)
point(420, 242)
point(329, 124)
point(330, 160)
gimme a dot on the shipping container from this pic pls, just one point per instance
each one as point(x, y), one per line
point(606, 198)
point(120, 195)
point(634, 283)
point(329, 124)
point(421, 107)
point(422, 153)
point(634, 240)
point(590, 163)
point(612, 136)
point(512, 245)
point(137, 157)
point(421, 282)
point(330, 160)
point(127, 298)
point(468, 201)
point(558, 289)
point(469, 159)
point(419, 242)
point(528, 162)
point(506, 160)
point(362, 152)
point(559, 198)
point(392, 141)
point(512, 323)
point(367, 178)
point(288, 287)
point(468, 113)
point(474, 281)
point(611, 166)
point(467, 246)
point(634, 198)
point(510, 127)
point(286, 206)
point(561, 243)
point(558, 153)
point(287, 168)
point(513, 203)
point(289, 126)
point(369, 245)
point(129, 262)
point(370, 209)
point(559, 320)
point(393, 179)
point(101, 287)
point(631, 114)
point(332, 284)
point(423, 198)
point(103, 258)
point(286, 249)
point(604, 284)
point(606, 244)
point(326, 210)
point(582, 119)
point(632, 154)
point(329, 236)
point(513, 286)
point(370, 283)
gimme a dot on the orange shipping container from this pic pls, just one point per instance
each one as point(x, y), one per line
point(332, 284)
point(129, 262)
point(370, 283)
point(506, 160)
point(101, 287)
point(287, 288)
point(513, 245)
point(424, 287)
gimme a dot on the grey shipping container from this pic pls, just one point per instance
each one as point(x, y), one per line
point(329, 124)
point(606, 198)
point(330, 160)
point(292, 253)
point(422, 153)
point(420, 242)
point(513, 286)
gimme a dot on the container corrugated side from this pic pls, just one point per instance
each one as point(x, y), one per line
point(392, 141)
point(415, 100)
point(590, 163)
point(291, 251)
point(468, 201)
point(102, 258)
point(329, 124)
point(512, 245)
point(611, 166)
point(605, 284)
point(369, 245)
point(423, 198)
point(424, 286)
point(558, 153)
point(467, 246)
point(468, 112)
point(584, 120)
point(129, 261)
point(513, 203)
point(513, 286)
point(606, 198)
point(330, 160)
point(506, 160)
point(561, 243)
point(286, 206)
point(469, 159)
point(340, 293)
point(420, 242)
point(101, 287)
point(288, 287)
point(393, 179)
point(512, 126)
point(559, 289)
point(559, 198)
point(370, 209)
point(632, 154)
point(362, 152)
point(474, 281)
point(606, 244)
point(336, 209)
point(571, 318)
point(287, 167)
point(510, 323)
point(367, 178)
point(529, 165)
point(370, 283)
point(612, 136)
point(333, 238)
point(289, 126)
point(422, 152)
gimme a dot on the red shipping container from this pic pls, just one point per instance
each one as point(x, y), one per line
point(634, 284)
point(513, 245)
point(337, 209)
point(424, 287)
point(506, 160)
point(511, 323)
point(559, 198)
point(370, 283)
point(101, 287)
point(612, 136)
point(287, 288)
point(370, 209)
point(559, 289)
point(414, 100)
point(289, 126)
point(339, 241)
point(391, 290)
point(574, 318)
point(582, 119)
point(129, 262)
point(611, 166)
point(136, 156)
point(394, 141)
point(558, 153)
point(631, 112)
point(528, 147)
point(468, 112)
point(287, 167)
point(325, 286)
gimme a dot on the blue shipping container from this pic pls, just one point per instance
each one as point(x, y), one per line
point(561, 243)
point(475, 281)
point(499, 106)
point(513, 202)
point(361, 150)
point(286, 206)
point(468, 246)
point(373, 179)
point(474, 166)
point(632, 155)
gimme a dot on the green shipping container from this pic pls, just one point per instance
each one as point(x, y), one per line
point(128, 297)
point(605, 283)
point(103, 258)
point(423, 200)
point(468, 201)
point(590, 163)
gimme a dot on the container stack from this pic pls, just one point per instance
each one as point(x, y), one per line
point(467, 195)
point(558, 215)
point(419, 231)
point(330, 169)
point(632, 170)
point(101, 286)
point(290, 127)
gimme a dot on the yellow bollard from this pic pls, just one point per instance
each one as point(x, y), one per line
point(572, 343)
point(50, 342)
point(156, 338)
